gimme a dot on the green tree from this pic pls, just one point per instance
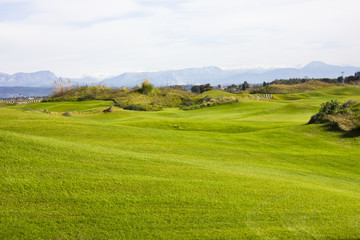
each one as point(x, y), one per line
point(245, 86)
point(340, 79)
point(195, 89)
point(146, 87)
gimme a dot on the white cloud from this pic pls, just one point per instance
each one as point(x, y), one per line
point(79, 37)
point(83, 10)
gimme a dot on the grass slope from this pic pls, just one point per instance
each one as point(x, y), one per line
point(246, 170)
point(294, 88)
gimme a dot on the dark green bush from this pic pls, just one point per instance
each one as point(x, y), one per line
point(345, 117)
point(326, 109)
point(319, 117)
point(330, 107)
point(208, 101)
point(146, 87)
point(140, 107)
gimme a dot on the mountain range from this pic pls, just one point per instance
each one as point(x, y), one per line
point(215, 75)
point(212, 75)
point(36, 79)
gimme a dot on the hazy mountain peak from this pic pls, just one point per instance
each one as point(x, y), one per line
point(35, 79)
point(211, 74)
point(316, 64)
point(212, 68)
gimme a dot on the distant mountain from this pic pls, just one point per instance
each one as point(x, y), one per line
point(13, 92)
point(215, 75)
point(86, 80)
point(36, 79)
point(212, 75)
point(171, 77)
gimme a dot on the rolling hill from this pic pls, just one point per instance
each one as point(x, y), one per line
point(248, 170)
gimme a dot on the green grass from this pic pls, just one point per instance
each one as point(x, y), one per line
point(294, 88)
point(250, 170)
point(216, 93)
point(57, 107)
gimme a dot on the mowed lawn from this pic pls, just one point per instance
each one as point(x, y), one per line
point(250, 170)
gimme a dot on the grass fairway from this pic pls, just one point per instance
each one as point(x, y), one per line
point(250, 170)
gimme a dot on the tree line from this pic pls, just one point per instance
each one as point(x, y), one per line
point(231, 88)
point(292, 81)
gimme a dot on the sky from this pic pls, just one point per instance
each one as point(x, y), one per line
point(74, 38)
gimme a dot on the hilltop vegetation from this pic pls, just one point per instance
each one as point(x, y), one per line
point(85, 93)
point(291, 88)
point(345, 117)
point(295, 85)
point(146, 97)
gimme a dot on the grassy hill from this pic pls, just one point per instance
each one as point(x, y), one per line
point(295, 88)
point(247, 170)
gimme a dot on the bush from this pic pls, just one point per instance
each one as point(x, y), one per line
point(109, 109)
point(208, 101)
point(201, 88)
point(86, 93)
point(158, 99)
point(319, 118)
point(345, 117)
point(330, 107)
point(139, 107)
point(66, 114)
point(344, 121)
point(325, 110)
point(146, 88)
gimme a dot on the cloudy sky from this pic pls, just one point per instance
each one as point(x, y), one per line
point(77, 37)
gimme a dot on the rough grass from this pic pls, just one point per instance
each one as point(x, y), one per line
point(251, 170)
point(86, 93)
point(295, 88)
point(345, 117)
point(156, 100)
point(216, 93)
point(57, 107)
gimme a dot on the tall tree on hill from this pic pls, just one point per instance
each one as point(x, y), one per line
point(357, 75)
point(245, 86)
point(201, 88)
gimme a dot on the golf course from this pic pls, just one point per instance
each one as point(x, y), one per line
point(249, 169)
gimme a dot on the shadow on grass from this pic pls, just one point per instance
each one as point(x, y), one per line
point(352, 134)
point(349, 134)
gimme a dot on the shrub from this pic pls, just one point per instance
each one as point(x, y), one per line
point(344, 121)
point(158, 99)
point(140, 107)
point(208, 101)
point(345, 117)
point(109, 109)
point(201, 88)
point(66, 114)
point(146, 88)
point(326, 109)
point(86, 93)
point(330, 107)
point(318, 118)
